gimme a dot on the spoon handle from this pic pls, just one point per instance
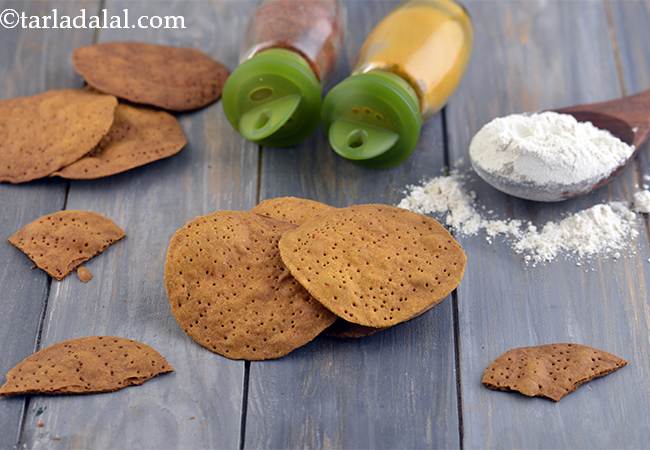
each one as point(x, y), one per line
point(634, 109)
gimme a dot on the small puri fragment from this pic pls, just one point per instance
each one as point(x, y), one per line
point(84, 366)
point(230, 292)
point(374, 265)
point(138, 136)
point(59, 242)
point(550, 371)
point(43, 133)
point(172, 78)
point(84, 274)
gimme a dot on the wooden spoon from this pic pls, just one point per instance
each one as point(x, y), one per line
point(627, 118)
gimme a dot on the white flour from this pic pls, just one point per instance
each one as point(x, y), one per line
point(605, 229)
point(602, 230)
point(642, 201)
point(547, 149)
point(445, 195)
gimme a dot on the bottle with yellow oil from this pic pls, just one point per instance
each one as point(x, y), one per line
point(408, 67)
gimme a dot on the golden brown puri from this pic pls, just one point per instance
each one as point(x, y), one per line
point(374, 265)
point(172, 78)
point(43, 133)
point(230, 292)
point(138, 136)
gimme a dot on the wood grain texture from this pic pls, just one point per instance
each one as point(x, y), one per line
point(395, 389)
point(31, 62)
point(631, 25)
point(198, 406)
point(539, 55)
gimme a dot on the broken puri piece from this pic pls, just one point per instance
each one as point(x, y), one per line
point(60, 242)
point(84, 366)
point(550, 371)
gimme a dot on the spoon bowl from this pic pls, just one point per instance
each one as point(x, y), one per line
point(627, 118)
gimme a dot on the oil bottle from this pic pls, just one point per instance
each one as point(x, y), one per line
point(407, 68)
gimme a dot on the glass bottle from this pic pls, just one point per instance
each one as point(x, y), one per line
point(291, 46)
point(407, 69)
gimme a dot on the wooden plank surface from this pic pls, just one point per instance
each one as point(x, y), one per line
point(396, 389)
point(198, 406)
point(631, 22)
point(538, 55)
point(30, 62)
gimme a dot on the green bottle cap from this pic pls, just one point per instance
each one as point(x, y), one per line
point(373, 118)
point(273, 99)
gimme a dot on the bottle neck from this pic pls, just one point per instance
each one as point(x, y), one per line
point(395, 79)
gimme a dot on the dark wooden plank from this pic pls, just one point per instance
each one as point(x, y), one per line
point(32, 61)
point(199, 405)
point(396, 389)
point(631, 22)
point(531, 56)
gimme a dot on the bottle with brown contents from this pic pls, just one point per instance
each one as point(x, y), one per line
point(274, 96)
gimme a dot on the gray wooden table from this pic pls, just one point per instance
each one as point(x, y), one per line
point(414, 386)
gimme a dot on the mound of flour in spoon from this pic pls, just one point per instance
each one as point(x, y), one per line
point(604, 230)
point(547, 149)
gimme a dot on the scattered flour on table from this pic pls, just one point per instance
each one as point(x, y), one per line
point(642, 201)
point(605, 229)
point(602, 230)
point(548, 148)
point(447, 195)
